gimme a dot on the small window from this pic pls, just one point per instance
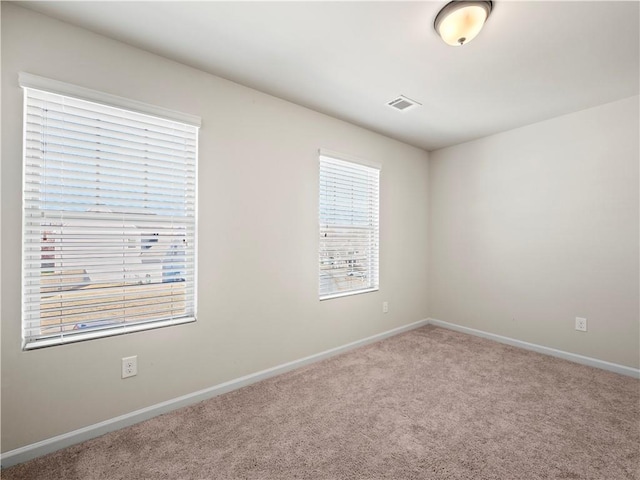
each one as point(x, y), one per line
point(348, 214)
point(109, 215)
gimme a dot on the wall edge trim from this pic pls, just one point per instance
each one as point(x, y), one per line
point(50, 445)
point(572, 357)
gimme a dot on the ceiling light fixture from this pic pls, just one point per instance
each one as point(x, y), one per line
point(460, 21)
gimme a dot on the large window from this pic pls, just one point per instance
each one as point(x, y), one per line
point(109, 215)
point(349, 210)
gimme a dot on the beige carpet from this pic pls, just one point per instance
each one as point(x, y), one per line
point(427, 404)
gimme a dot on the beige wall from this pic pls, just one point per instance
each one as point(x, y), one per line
point(526, 230)
point(258, 277)
point(533, 227)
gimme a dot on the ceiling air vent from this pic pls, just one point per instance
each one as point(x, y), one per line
point(403, 103)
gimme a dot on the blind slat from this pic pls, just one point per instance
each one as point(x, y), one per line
point(349, 230)
point(97, 293)
point(109, 220)
point(74, 157)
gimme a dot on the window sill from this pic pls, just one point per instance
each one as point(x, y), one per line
point(347, 294)
point(107, 332)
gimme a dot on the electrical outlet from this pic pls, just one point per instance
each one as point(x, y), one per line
point(385, 307)
point(581, 324)
point(129, 366)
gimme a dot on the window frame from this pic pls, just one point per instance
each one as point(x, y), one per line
point(29, 82)
point(372, 168)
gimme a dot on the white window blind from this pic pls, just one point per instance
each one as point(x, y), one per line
point(109, 209)
point(349, 211)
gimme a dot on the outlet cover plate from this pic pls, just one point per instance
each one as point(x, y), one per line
point(581, 324)
point(129, 366)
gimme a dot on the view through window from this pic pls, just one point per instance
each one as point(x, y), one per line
point(348, 217)
point(109, 220)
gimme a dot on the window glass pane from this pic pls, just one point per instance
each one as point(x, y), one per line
point(109, 220)
point(348, 218)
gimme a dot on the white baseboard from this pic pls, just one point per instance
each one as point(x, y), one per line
point(573, 357)
point(50, 445)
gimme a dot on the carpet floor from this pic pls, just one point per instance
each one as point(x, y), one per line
point(427, 404)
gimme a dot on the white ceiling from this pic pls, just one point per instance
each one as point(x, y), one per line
point(532, 61)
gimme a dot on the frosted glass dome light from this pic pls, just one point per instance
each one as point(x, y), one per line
point(459, 22)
